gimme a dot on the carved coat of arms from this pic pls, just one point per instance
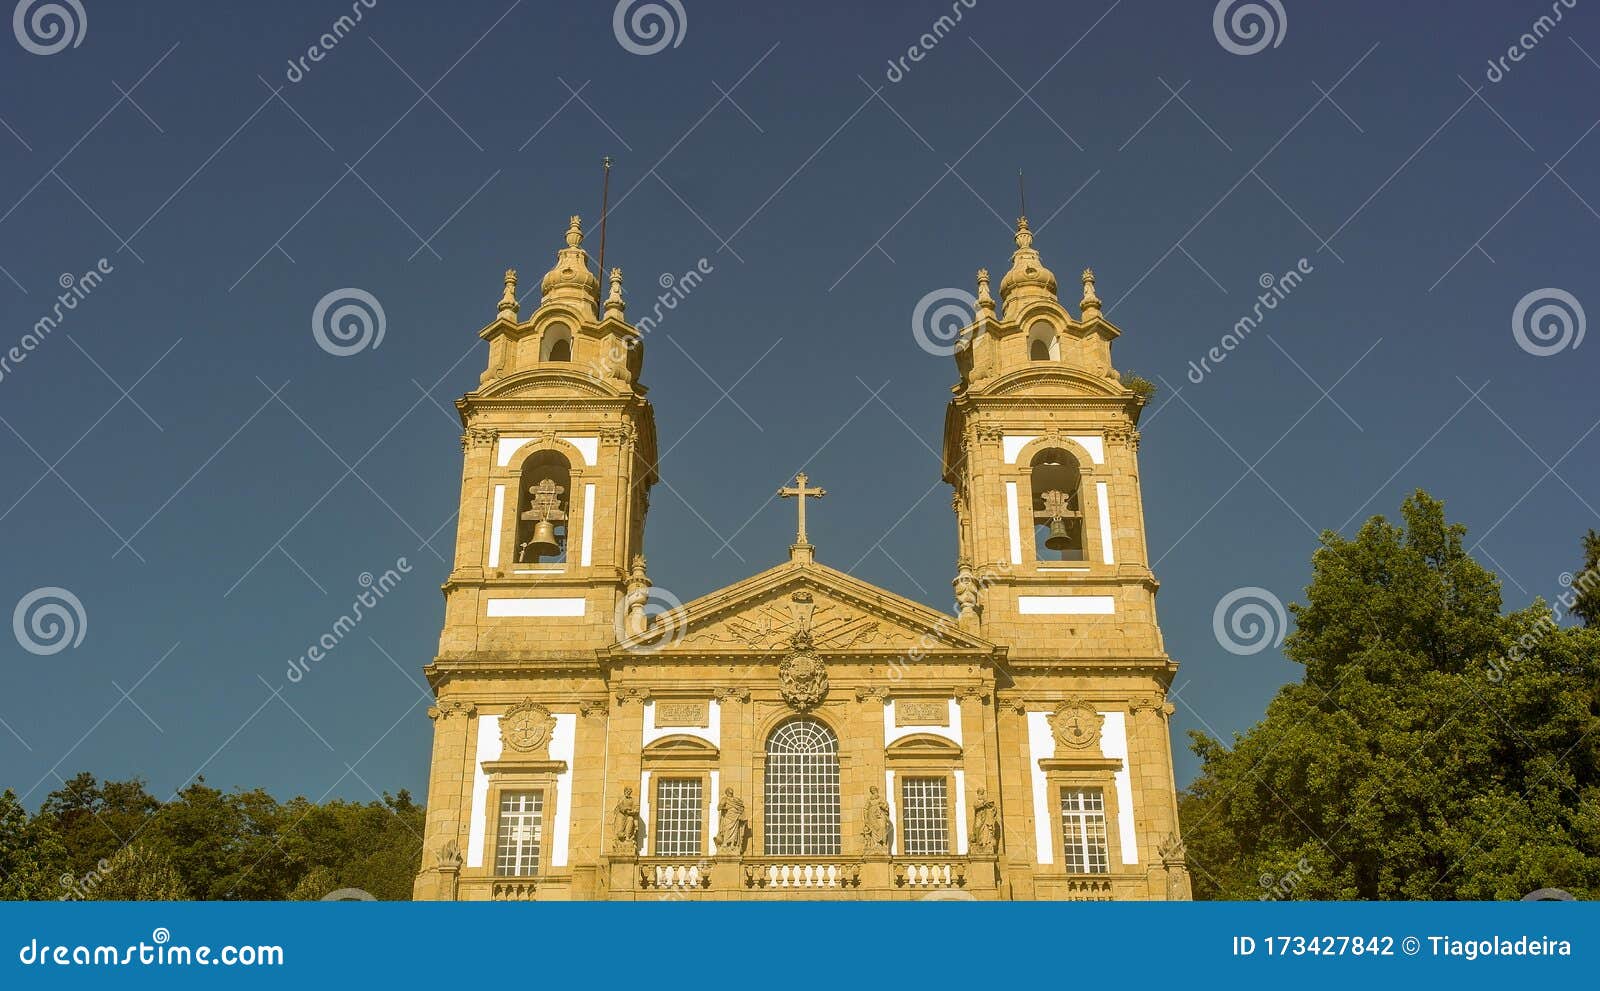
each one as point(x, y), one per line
point(526, 727)
point(802, 677)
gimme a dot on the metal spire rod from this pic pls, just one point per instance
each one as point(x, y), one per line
point(605, 202)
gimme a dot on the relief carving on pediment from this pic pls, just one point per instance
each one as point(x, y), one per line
point(772, 625)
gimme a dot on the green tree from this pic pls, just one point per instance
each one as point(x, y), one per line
point(32, 857)
point(376, 846)
point(1586, 584)
point(138, 872)
point(1434, 748)
point(95, 820)
point(224, 845)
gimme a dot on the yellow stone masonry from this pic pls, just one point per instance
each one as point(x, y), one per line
point(801, 733)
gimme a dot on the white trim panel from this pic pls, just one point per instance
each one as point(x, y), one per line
point(589, 447)
point(589, 530)
point(538, 608)
point(1013, 445)
point(1066, 605)
point(1114, 746)
point(478, 823)
point(563, 747)
point(1104, 500)
point(495, 523)
point(1041, 744)
point(1094, 444)
point(1016, 527)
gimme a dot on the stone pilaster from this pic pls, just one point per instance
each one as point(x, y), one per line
point(473, 524)
point(451, 780)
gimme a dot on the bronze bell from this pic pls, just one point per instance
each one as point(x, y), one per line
point(1059, 539)
point(544, 539)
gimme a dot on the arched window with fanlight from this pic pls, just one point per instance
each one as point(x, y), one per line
point(801, 813)
point(543, 508)
point(1056, 483)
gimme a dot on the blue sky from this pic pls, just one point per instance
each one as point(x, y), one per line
point(182, 457)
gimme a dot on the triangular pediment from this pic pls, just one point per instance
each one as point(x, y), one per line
point(845, 615)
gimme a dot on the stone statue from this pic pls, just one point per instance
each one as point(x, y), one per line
point(734, 830)
point(877, 828)
point(626, 824)
point(985, 825)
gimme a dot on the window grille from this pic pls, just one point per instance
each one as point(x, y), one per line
point(679, 817)
point(521, 831)
point(1083, 831)
point(924, 815)
point(802, 790)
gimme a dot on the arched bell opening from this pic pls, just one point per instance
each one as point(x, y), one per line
point(1057, 483)
point(544, 508)
point(556, 344)
point(1043, 342)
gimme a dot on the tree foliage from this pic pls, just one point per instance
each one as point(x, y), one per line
point(115, 841)
point(139, 872)
point(1586, 584)
point(1435, 747)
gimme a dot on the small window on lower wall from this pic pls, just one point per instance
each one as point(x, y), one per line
point(520, 834)
point(1083, 831)
point(925, 816)
point(679, 817)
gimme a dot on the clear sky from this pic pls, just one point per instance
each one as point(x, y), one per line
point(183, 458)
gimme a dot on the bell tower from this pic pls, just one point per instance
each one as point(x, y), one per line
point(559, 456)
point(1041, 447)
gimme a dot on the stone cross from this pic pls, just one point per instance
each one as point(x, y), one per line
point(546, 504)
point(800, 492)
point(1057, 505)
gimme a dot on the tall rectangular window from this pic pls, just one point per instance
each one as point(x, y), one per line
point(680, 817)
point(516, 852)
point(925, 816)
point(1083, 831)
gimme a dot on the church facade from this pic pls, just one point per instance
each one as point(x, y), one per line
point(801, 733)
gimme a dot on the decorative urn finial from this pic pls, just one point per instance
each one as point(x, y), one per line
point(1090, 305)
point(614, 303)
point(509, 307)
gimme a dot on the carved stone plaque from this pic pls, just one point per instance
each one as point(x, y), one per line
point(921, 712)
point(696, 713)
point(526, 727)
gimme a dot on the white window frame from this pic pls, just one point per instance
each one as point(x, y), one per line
point(925, 815)
point(800, 800)
point(518, 855)
point(680, 816)
point(1085, 840)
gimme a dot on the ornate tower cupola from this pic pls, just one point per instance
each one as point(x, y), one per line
point(571, 278)
point(560, 454)
point(1028, 279)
